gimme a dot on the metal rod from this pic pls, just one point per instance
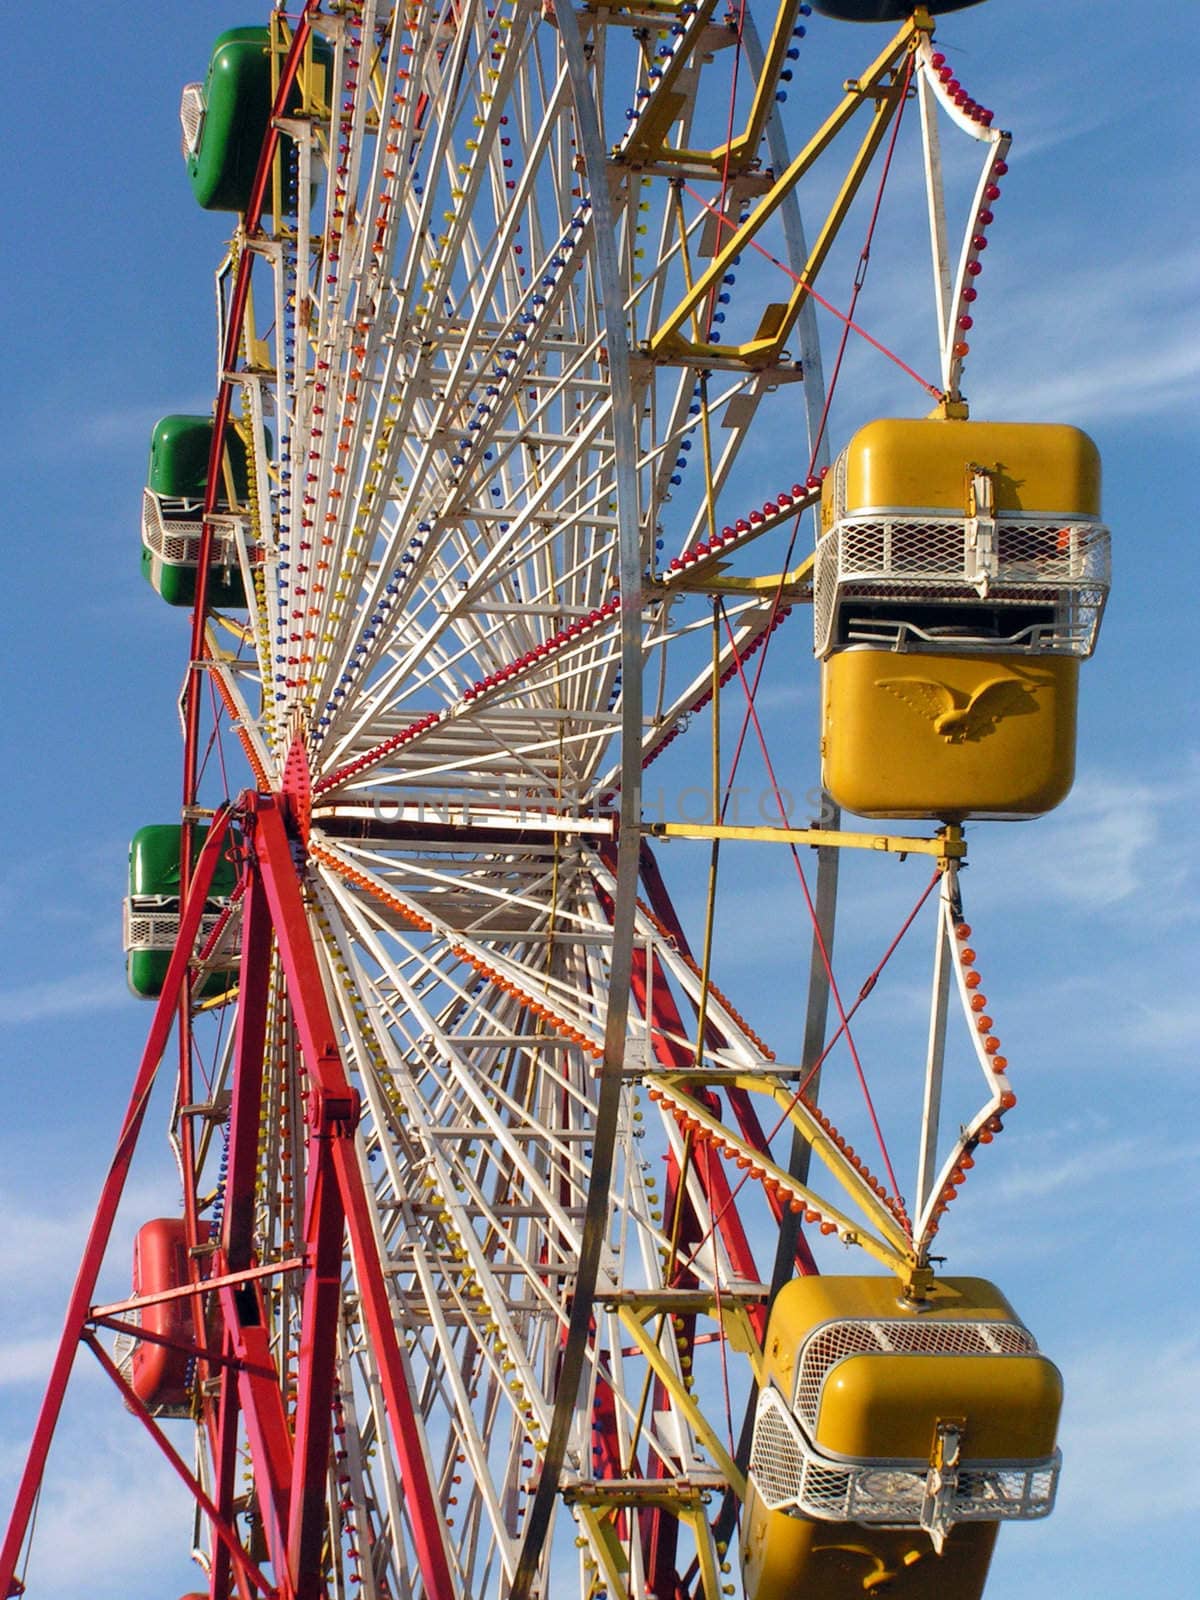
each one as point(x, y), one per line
point(935, 1054)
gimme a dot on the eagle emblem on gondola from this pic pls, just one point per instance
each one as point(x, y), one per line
point(959, 715)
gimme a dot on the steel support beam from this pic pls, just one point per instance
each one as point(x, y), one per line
point(336, 1198)
point(100, 1232)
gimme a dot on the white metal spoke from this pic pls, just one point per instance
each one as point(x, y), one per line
point(499, 466)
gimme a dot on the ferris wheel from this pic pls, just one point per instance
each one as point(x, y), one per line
point(496, 1270)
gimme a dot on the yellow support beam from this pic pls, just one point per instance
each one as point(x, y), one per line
point(683, 1399)
point(731, 158)
point(596, 1506)
point(645, 145)
point(706, 1554)
point(709, 577)
point(635, 13)
point(883, 85)
point(667, 1494)
point(948, 845)
point(889, 1245)
point(607, 1547)
point(729, 1309)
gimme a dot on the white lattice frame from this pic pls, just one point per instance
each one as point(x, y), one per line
point(176, 538)
point(850, 1491)
point(192, 112)
point(148, 924)
point(1075, 579)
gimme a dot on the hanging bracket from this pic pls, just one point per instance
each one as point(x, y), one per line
point(980, 550)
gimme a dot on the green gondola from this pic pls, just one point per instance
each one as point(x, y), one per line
point(172, 512)
point(225, 119)
point(152, 907)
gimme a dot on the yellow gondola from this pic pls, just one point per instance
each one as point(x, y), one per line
point(892, 1438)
point(960, 577)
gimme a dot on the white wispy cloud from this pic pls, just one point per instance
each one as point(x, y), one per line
point(772, 696)
point(1166, 1021)
point(73, 885)
point(36, 1244)
point(1128, 1432)
point(29, 1360)
point(1146, 363)
point(1106, 848)
point(63, 997)
point(1064, 1182)
point(1084, 1170)
point(1086, 330)
point(1031, 105)
point(41, 1241)
point(114, 427)
point(1096, 856)
point(111, 1511)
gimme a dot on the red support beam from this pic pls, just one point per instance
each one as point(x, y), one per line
point(742, 1104)
point(110, 1197)
point(245, 1107)
point(324, 1228)
point(333, 1112)
point(223, 1528)
point(229, 362)
point(222, 1420)
point(653, 997)
point(290, 1473)
point(666, 1028)
point(675, 1058)
point(265, 1419)
point(236, 1250)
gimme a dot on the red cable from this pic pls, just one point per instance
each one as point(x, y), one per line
point(844, 317)
point(751, 711)
point(826, 305)
point(868, 985)
point(812, 911)
point(849, 323)
point(733, 86)
point(860, 275)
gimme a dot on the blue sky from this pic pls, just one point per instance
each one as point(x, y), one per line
point(1087, 920)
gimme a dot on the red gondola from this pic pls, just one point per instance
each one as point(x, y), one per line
point(159, 1372)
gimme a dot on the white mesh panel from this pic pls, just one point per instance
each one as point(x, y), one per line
point(777, 1454)
point(1063, 566)
point(172, 530)
point(791, 1475)
point(191, 117)
point(910, 1336)
point(147, 926)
